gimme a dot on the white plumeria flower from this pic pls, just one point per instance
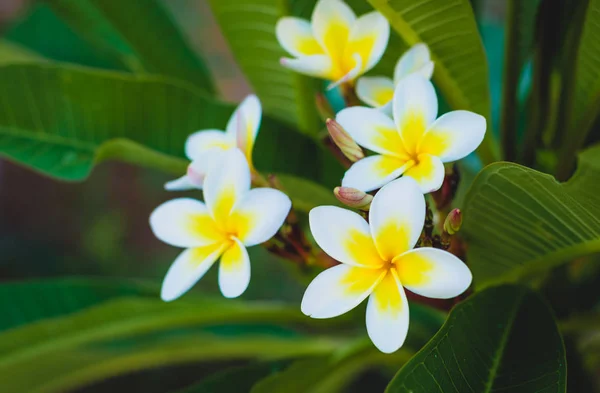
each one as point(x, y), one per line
point(378, 91)
point(205, 148)
point(335, 45)
point(232, 218)
point(377, 261)
point(413, 143)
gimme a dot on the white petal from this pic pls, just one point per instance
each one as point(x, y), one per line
point(429, 173)
point(415, 108)
point(332, 21)
point(415, 60)
point(226, 184)
point(187, 269)
point(387, 314)
point(338, 290)
point(369, 38)
point(244, 124)
point(234, 270)
point(372, 129)
point(355, 66)
point(454, 135)
point(181, 184)
point(396, 217)
point(259, 215)
point(375, 91)
point(200, 142)
point(373, 172)
point(319, 66)
point(344, 235)
point(184, 222)
point(296, 36)
point(433, 273)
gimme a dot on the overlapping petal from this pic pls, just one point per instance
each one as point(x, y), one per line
point(244, 124)
point(181, 184)
point(296, 36)
point(415, 60)
point(387, 314)
point(372, 129)
point(454, 135)
point(373, 172)
point(338, 290)
point(234, 270)
point(428, 172)
point(225, 184)
point(368, 38)
point(184, 222)
point(396, 217)
point(201, 142)
point(259, 215)
point(415, 108)
point(344, 235)
point(433, 273)
point(319, 66)
point(332, 22)
point(188, 268)
point(375, 91)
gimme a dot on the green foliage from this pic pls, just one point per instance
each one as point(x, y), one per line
point(139, 33)
point(450, 31)
point(74, 332)
point(503, 339)
point(519, 221)
point(62, 120)
point(584, 95)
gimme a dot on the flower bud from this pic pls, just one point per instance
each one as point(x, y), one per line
point(344, 141)
point(352, 197)
point(453, 222)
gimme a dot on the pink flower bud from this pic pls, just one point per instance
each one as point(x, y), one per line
point(453, 222)
point(344, 141)
point(352, 197)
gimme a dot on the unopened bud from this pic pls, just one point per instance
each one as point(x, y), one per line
point(344, 141)
point(352, 197)
point(323, 107)
point(453, 222)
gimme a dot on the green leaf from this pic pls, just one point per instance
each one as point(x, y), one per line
point(72, 335)
point(249, 27)
point(518, 221)
point(306, 194)
point(238, 379)
point(43, 32)
point(503, 339)
point(450, 31)
point(584, 96)
point(140, 33)
point(15, 53)
point(61, 120)
point(520, 28)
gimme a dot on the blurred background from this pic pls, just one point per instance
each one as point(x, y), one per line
point(100, 227)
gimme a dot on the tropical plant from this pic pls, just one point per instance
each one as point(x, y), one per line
point(498, 194)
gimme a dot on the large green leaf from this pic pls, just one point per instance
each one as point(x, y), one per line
point(41, 31)
point(62, 120)
point(584, 97)
point(249, 27)
point(503, 339)
point(520, 28)
point(450, 31)
point(140, 33)
point(518, 221)
point(75, 332)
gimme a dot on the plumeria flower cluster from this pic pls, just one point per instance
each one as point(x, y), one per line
point(232, 216)
point(335, 45)
point(378, 261)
